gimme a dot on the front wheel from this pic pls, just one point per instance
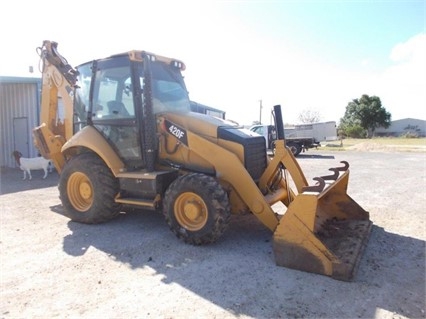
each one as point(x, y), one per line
point(197, 209)
point(87, 190)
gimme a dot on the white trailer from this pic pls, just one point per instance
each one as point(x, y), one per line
point(321, 131)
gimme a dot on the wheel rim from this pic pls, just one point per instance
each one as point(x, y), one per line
point(191, 211)
point(80, 191)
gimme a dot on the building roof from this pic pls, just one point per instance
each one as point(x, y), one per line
point(18, 79)
point(407, 119)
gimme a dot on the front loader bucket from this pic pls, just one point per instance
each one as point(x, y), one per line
point(323, 231)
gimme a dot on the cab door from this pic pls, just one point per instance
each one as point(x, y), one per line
point(114, 112)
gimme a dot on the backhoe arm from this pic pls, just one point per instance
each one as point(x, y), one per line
point(59, 81)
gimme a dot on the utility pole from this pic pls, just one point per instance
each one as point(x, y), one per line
point(260, 112)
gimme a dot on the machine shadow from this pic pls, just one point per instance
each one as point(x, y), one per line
point(233, 272)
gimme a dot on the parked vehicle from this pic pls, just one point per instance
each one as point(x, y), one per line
point(295, 144)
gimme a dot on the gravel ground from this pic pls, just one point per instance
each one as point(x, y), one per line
point(134, 267)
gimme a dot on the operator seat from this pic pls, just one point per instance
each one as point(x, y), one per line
point(117, 108)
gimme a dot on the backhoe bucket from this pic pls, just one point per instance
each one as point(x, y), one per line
point(323, 231)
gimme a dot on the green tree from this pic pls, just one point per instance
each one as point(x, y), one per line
point(363, 116)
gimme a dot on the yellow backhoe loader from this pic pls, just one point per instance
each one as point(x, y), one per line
point(120, 132)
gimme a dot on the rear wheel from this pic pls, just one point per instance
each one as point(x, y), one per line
point(197, 209)
point(87, 190)
point(295, 148)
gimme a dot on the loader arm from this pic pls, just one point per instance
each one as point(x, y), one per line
point(230, 169)
point(283, 156)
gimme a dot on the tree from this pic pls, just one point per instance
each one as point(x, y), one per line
point(364, 114)
point(309, 116)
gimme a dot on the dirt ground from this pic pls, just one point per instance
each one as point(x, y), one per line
point(134, 267)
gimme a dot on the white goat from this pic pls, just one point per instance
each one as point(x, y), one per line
point(28, 164)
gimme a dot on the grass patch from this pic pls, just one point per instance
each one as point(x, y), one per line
point(384, 141)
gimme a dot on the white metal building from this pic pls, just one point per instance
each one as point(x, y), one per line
point(19, 114)
point(402, 127)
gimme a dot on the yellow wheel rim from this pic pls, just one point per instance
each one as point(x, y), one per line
point(80, 191)
point(191, 211)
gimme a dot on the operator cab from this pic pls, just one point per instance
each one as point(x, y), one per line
point(116, 94)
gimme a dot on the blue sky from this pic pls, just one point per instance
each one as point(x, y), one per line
point(304, 55)
point(343, 32)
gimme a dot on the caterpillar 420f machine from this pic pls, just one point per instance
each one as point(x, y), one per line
point(120, 132)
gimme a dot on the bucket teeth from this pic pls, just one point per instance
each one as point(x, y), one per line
point(316, 188)
point(331, 177)
point(319, 187)
point(344, 168)
point(336, 171)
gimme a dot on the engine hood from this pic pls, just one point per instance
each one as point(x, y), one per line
point(201, 124)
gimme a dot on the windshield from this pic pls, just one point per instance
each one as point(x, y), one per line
point(168, 89)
